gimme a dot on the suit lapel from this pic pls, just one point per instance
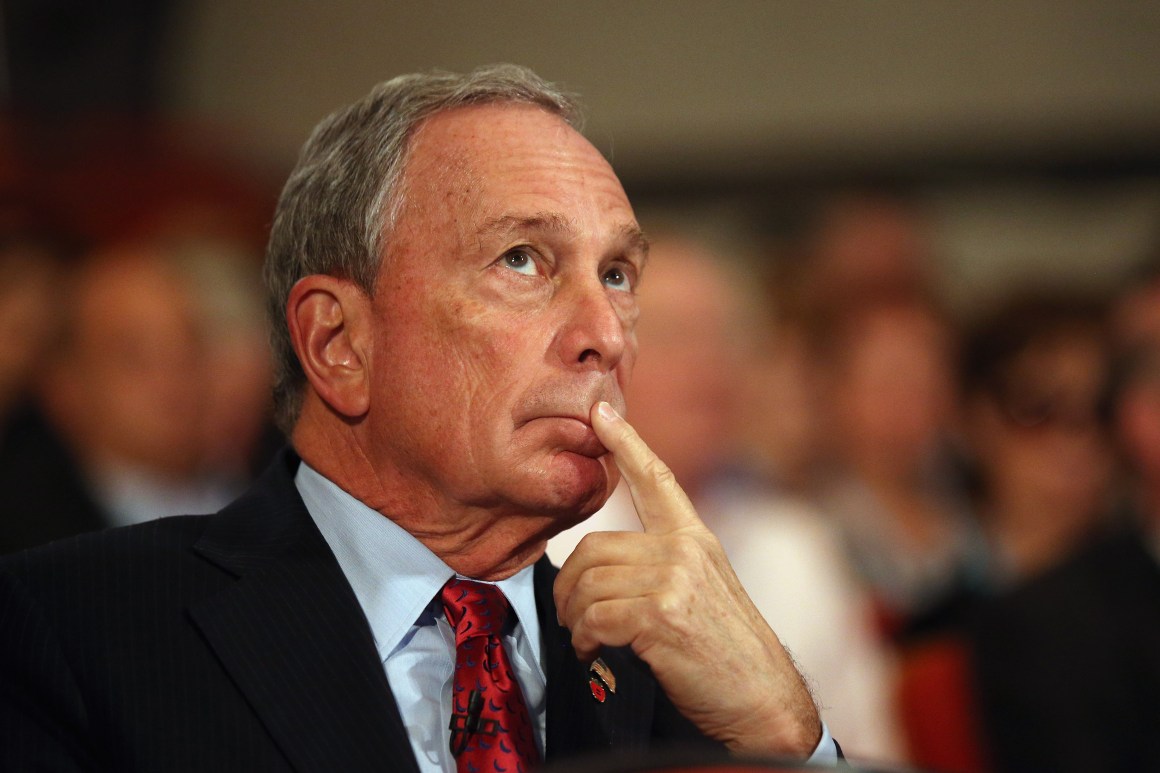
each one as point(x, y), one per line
point(292, 636)
point(577, 722)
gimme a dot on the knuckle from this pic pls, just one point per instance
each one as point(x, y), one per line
point(668, 604)
point(677, 592)
point(658, 471)
point(582, 640)
point(682, 576)
point(684, 549)
point(588, 542)
point(595, 619)
point(594, 544)
point(587, 582)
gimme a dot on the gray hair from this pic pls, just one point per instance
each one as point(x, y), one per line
point(338, 207)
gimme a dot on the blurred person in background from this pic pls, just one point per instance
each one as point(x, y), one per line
point(857, 244)
point(849, 246)
point(888, 391)
point(1068, 661)
point(124, 393)
point(695, 333)
point(1034, 377)
point(778, 427)
point(32, 259)
point(237, 427)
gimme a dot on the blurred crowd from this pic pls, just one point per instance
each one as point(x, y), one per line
point(952, 521)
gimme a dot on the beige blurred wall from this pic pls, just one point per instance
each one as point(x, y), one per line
point(681, 82)
point(678, 89)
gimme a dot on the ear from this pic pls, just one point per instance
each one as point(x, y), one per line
point(330, 327)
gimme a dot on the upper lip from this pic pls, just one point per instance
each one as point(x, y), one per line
point(573, 400)
point(583, 419)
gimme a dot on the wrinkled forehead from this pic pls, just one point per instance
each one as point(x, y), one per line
point(480, 163)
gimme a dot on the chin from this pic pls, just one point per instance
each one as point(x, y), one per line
point(576, 486)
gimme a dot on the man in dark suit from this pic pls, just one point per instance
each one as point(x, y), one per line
point(451, 274)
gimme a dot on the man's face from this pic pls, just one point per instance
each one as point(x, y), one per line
point(504, 309)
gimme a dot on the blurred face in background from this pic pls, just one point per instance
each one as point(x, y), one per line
point(683, 393)
point(126, 388)
point(1039, 434)
point(891, 388)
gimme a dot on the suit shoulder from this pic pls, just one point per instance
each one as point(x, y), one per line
point(107, 555)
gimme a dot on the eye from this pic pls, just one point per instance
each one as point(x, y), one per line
point(521, 261)
point(617, 278)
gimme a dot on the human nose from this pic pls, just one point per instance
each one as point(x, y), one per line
point(595, 331)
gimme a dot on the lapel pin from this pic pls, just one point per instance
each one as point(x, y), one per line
point(601, 680)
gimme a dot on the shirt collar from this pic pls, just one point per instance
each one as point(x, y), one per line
point(395, 577)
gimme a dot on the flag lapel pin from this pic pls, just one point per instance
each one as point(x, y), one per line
point(601, 680)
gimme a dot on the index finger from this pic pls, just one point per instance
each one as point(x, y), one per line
point(661, 503)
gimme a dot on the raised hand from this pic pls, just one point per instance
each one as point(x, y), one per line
point(671, 595)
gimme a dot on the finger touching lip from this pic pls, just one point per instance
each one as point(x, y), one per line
point(571, 434)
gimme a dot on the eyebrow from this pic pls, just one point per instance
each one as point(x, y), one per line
point(630, 235)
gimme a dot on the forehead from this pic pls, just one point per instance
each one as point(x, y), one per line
point(481, 164)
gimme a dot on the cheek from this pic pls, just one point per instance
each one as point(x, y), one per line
point(474, 366)
point(627, 364)
point(471, 347)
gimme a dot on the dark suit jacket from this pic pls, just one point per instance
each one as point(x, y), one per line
point(234, 642)
point(1068, 666)
point(45, 494)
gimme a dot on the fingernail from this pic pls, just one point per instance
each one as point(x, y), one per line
point(606, 411)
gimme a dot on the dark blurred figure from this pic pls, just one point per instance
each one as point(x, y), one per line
point(34, 254)
point(866, 363)
point(1068, 663)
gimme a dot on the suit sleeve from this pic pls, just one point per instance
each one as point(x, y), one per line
point(42, 716)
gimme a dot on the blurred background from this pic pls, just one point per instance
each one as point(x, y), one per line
point(1027, 129)
point(903, 315)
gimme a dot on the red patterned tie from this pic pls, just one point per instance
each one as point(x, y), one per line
point(491, 731)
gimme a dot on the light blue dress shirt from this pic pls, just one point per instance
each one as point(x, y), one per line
point(397, 581)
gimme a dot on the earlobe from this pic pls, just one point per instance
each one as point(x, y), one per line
point(329, 321)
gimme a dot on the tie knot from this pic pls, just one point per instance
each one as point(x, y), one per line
point(474, 608)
